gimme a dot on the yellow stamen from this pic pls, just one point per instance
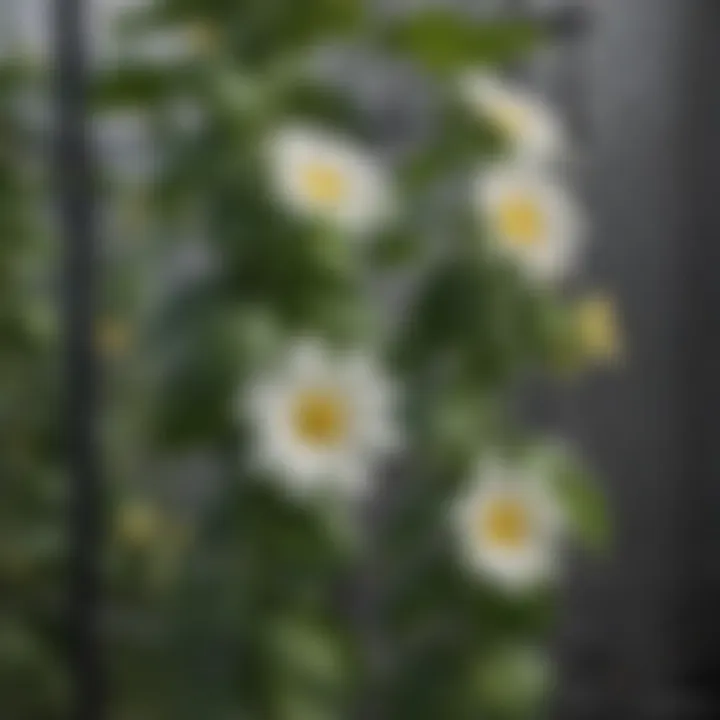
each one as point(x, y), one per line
point(505, 524)
point(521, 221)
point(320, 417)
point(324, 183)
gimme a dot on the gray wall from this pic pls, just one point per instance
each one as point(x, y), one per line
point(640, 638)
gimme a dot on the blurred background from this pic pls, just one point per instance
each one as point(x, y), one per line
point(638, 635)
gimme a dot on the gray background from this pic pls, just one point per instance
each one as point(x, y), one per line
point(640, 637)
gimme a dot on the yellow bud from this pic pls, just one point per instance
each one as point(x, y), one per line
point(137, 523)
point(599, 329)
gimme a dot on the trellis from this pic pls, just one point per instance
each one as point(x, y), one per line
point(77, 214)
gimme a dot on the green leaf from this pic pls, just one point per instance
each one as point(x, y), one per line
point(198, 369)
point(137, 86)
point(303, 97)
point(459, 146)
point(290, 25)
point(465, 316)
point(16, 73)
point(513, 682)
point(548, 331)
point(445, 41)
point(259, 33)
point(585, 505)
point(164, 13)
point(297, 705)
point(306, 649)
point(394, 249)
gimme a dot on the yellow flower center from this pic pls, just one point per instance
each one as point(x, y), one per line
point(324, 183)
point(521, 221)
point(321, 417)
point(505, 523)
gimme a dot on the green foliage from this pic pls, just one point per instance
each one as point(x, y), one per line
point(255, 32)
point(140, 85)
point(587, 508)
point(584, 503)
point(258, 619)
point(15, 74)
point(32, 676)
point(445, 42)
point(460, 141)
point(255, 620)
point(245, 604)
point(482, 320)
point(514, 683)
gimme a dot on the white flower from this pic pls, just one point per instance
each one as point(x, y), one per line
point(324, 176)
point(530, 219)
point(509, 525)
point(321, 418)
point(525, 120)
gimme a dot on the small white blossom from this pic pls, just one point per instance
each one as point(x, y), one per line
point(530, 218)
point(321, 418)
point(321, 175)
point(527, 122)
point(509, 525)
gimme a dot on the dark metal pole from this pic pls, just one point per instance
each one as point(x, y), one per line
point(75, 189)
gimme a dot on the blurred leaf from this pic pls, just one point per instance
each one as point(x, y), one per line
point(466, 319)
point(292, 704)
point(305, 98)
point(445, 41)
point(164, 13)
point(435, 320)
point(241, 96)
point(460, 144)
point(310, 651)
point(287, 25)
point(549, 333)
point(512, 682)
point(198, 368)
point(395, 249)
point(15, 74)
point(583, 501)
point(138, 86)
point(462, 421)
point(257, 33)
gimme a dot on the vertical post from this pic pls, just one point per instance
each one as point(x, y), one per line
point(76, 214)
